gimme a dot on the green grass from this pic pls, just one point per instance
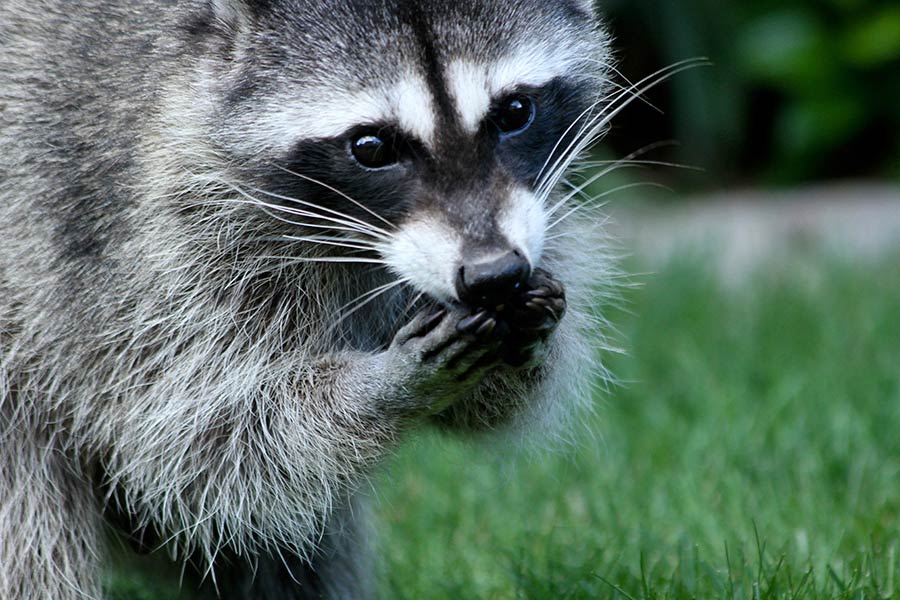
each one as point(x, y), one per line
point(752, 451)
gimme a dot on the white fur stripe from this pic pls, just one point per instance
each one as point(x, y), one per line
point(467, 83)
point(475, 85)
point(426, 252)
point(523, 221)
point(328, 113)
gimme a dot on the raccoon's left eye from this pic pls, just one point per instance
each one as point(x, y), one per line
point(373, 151)
point(514, 114)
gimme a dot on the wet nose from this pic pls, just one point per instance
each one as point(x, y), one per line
point(492, 281)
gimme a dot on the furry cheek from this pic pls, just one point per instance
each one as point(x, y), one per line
point(425, 253)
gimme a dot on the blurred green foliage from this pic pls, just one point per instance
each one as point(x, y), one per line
point(799, 89)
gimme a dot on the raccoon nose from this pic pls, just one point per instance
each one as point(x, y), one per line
point(492, 281)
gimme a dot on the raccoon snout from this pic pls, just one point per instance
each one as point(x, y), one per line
point(492, 281)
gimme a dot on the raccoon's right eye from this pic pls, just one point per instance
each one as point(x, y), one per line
point(514, 114)
point(373, 151)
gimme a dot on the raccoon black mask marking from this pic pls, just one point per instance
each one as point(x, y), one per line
point(248, 246)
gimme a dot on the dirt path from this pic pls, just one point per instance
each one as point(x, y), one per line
point(855, 220)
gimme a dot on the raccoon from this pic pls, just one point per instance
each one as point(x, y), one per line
point(249, 245)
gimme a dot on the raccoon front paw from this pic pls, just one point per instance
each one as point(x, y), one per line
point(532, 317)
point(451, 350)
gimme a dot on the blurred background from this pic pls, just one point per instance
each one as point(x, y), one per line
point(798, 90)
point(787, 139)
point(790, 136)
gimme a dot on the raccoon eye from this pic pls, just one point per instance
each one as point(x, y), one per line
point(374, 152)
point(514, 114)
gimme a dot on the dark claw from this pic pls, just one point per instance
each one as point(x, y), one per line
point(540, 292)
point(469, 323)
point(534, 307)
point(542, 302)
point(559, 308)
point(486, 328)
point(530, 318)
point(556, 288)
point(543, 280)
point(434, 320)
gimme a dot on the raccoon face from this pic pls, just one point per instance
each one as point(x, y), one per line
point(424, 133)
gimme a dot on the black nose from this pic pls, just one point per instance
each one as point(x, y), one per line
point(492, 281)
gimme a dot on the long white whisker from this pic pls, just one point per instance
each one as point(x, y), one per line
point(586, 127)
point(559, 236)
point(559, 141)
point(631, 157)
point(619, 73)
point(598, 175)
point(636, 163)
point(317, 240)
point(593, 200)
point(410, 305)
point(587, 131)
point(327, 241)
point(362, 300)
point(338, 192)
point(272, 210)
point(344, 225)
point(619, 102)
point(326, 259)
point(378, 290)
point(336, 213)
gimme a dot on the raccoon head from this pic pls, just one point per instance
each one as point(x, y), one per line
point(427, 133)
